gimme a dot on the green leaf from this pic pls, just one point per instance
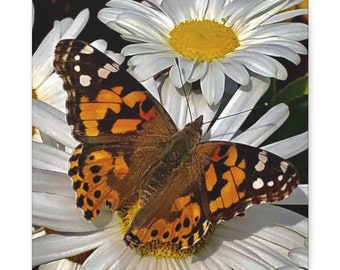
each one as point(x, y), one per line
point(292, 91)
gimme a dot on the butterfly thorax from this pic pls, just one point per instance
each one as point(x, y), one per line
point(181, 145)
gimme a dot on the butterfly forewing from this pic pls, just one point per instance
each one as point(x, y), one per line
point(105, 103)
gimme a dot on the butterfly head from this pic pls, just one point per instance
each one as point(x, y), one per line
point(196, 125)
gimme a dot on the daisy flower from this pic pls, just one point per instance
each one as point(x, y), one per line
point(208, 41)
point(267, 237)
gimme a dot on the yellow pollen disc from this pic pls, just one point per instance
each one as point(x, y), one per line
point(203, 40)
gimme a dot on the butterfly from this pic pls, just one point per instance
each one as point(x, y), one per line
point(168, 187)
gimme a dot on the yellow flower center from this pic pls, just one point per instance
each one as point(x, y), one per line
point(203, 40)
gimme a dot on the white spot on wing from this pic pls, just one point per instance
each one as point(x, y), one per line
point(258, 183)
point(103, 73)
point(284, 166)
point(260, 166)
point(263, 156)
point(77, 57)
point(112, 68)
point(280, 177)
point(270, 183)
point(284, 187)
point(87, 50)
point(85, 80)
point(77, 68)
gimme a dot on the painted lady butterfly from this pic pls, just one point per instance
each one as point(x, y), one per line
point(168, 187)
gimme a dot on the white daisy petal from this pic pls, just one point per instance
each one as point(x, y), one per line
point(136, 26)
point(178, 15)
point(234, 8)
point(286, 15)
point(50, 158)
point(107, 254)
point(199, 107)
point(181, 71)
point(52, 122)
point(51, 92)
point(63, 246)
point(291, 44)
point(176, 76)
point(299, 196)
point(60, 264)
point(186, 67)
point(144, 48)
point(77, 25)
point(125, 15)
point(292, 3)
point(275, 50)
point(58, 213)
point(199, 70)
point(261, 11)
point(259, 63)
point(42, 57)
point(235, 71)
point(290, 146)
point(179, 113)
point(265, 126)
point(244, 99)
point(51, 182)
point(299, 256)
point(297, 31)
point(212, 84)
point(145, 66)
point(265, 222)
point(133, 8)
point(214, 10)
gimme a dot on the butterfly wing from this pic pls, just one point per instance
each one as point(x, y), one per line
point(239, 176)
point(105, 103)
point(222, 179)
point(119, 123)
point(174, 220)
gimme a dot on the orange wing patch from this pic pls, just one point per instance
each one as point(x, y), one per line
point(107, 111)
point(223, 185)
point(90, 177)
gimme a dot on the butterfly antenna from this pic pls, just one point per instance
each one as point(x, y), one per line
point(184, 91)
point(238, 113)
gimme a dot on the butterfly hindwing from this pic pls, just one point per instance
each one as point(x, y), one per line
point(239, 176)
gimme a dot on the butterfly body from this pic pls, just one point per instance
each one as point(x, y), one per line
point(168, 187)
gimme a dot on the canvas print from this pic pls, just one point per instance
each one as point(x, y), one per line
point(170, 134)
